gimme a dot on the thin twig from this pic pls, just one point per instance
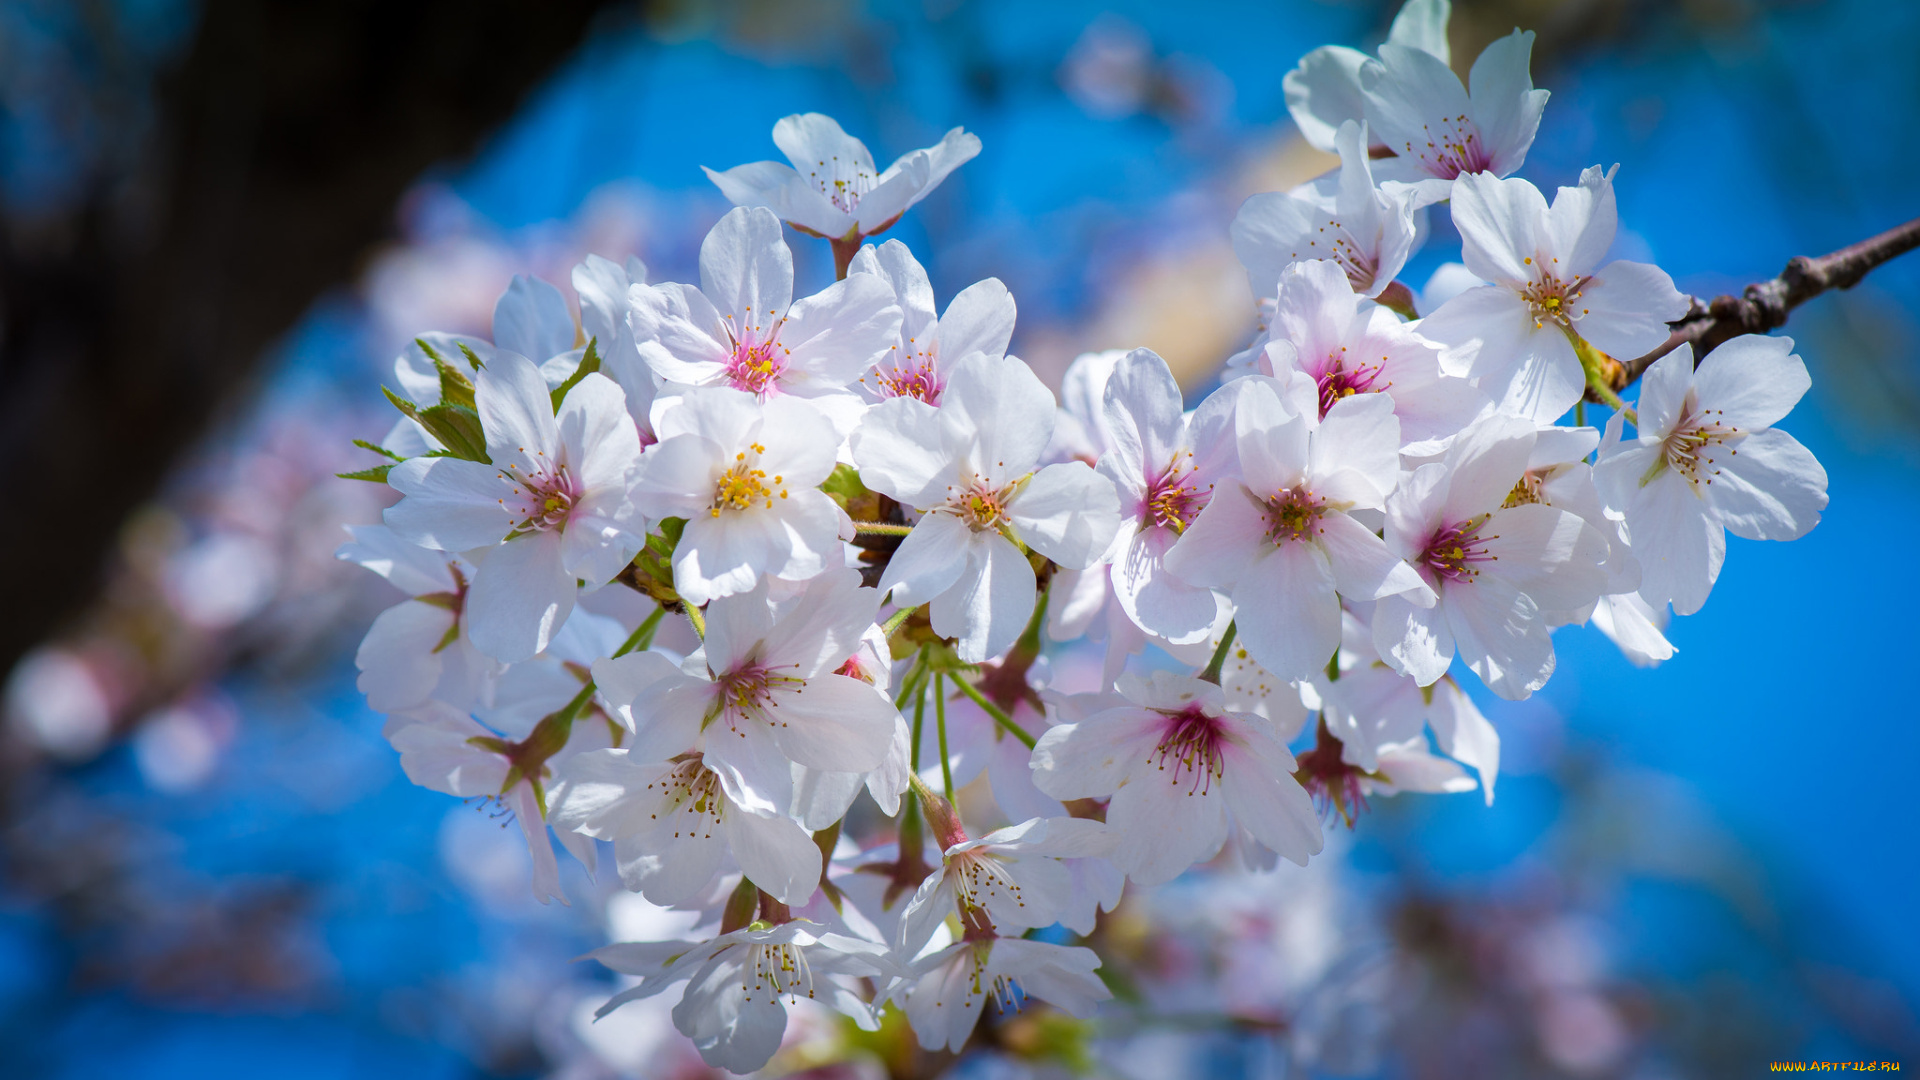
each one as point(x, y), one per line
point(1764, 305)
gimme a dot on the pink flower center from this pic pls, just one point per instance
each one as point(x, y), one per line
point(1452, 147)
point(1337, 380)
point(541, 500)
point(1334, 784)
point(756, 365)
point(1191, 747)
point(917, 377)
point(1173, 498)
point(748, 691)
point(1453, 551)
point(1293, 514)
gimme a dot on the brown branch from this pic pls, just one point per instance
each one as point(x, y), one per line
point(1764, 305)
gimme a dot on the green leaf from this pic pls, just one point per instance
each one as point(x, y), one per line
point(589, 363)
point(377, 474)
point(378, 449)
point(455, 388)
point(472, 359)
point(458, 429)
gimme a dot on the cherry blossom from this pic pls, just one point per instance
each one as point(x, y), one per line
point(1178, 769)
point(1439, 130)
point(1283, 541)
point(1011, 879)
point(742, 328)
point(1342, 218)
point(418, 649)
point(1550, 294)
point(553, 507)
point(1495, 568)
point(969, 468)
point(832, 188)
point(602, 286)
point(1324, 92)
point(770, 697)
point(979, 319)
point(945, 993)
point(1708, 459)
point(740, 984)
point(1322, 329)
point(745, 475)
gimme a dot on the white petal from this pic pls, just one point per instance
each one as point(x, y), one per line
point(531, 319)
point(775, 854)
point(1068, 513)
point(1289, 617)
point(1766, 487)
point(521, 596)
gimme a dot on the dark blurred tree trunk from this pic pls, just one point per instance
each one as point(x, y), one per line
point(284, 138)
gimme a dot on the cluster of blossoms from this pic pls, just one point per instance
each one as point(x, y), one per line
point(876, 519)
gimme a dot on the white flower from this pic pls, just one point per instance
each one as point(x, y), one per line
point(739, 984)
point(745, 475)
point(603, 285)
point(1341, 218)
point(1080, 424)
point(418, 649)
point(969, 468)
point(1164, 467)
point(1177, 768)
point(672, 826)
point(979, 319)
point(832, 188)
point(945, 992)
point(438, 751)
point(1324, 91)
point(531, 319)
point(1010, 879)
point(773, 700)
point(742, 328)
point(1497, 569)
point(1438, 129)
point(1708, 459)
point(1282, 539)
point(1515, 336)
point(1322, 329)
point(552, 508)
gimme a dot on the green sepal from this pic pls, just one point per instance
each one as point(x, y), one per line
point(471, 359)
point(653, 566)
point(589, 363)
point(378, 449)
point(455, 426)
point(455, 388)
point(377, 474)
point(843, 486)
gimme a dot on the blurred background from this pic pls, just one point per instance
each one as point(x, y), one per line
point(220, 220)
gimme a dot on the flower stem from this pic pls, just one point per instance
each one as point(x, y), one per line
point(999, 715)
point(896, 620)
point(1600, 370)
point(844, 249)
point(919, 724)
point(940, 717)
point(642, 636)
point(882, 528)
point(698, 620)
point(1219, 661)
point(918, 669)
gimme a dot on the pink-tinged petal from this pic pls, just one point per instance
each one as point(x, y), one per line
point(776, 854)
point(1463, 732)
point(1499, 223)
point(668, 717)
point(1143, 413)
point(516, 412)
point(1679, 541)
point(988, 606)
point(1547, 553)
point(836, 334)
point(398, 659)
point(833, 722)
point(1766, 486)
point(1221, 545)
point(1154, 598)
point(1486, 327)
point(1272, 440)
point(979, 319)
point(1404, 90)
point(785, 192)
point(679, 334)
point(1414, 640)
point(1090, 759)
point(531, 319)
point(1289, 616)
point(1265, 798)
point(1500, 635)
point(747, 271)
point(812, 139)
point(1271, 233)
point(898, 454)
point(1067, 512)
point(546, 869)
point(904, 183)
point(1506, 107)
point(1166, 821)
point(737, 628)
point(929, 561)
point(448, 504)
point(1752, 381)
point(602, 446)
point(1663, 392)
point(1359, 436)
point(893, 263)
point(1324, 92)
point(1364, 568)
point(1415, 508)
point(753, 771)
point(1316, 307)
point(1487, 460)
point(1625, 310)
point(521, 596)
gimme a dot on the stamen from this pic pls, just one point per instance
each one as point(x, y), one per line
point(745, 484)
point(1191, 747)
point(1453, 550)
point(1293, 514)
point(1172, 501)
